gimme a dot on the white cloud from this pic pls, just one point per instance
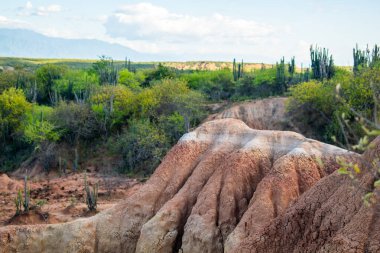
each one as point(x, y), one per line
point(29, 10)
point(147, 27)
point(144, 20)
point(12, 23)
point(46, 10)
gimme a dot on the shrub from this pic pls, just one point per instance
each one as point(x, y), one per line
point(13, 111)
point(142, 145)
point(112, 106)
point(173, 125)
point(76, 85)
point(75, 121)
point(46, 76)
point(129, 79)
point(173, 96)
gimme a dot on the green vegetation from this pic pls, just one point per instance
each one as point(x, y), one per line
point(332, 105)
point(56, 112)
point(59, 114)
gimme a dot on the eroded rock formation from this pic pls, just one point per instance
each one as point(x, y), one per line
point(226, 188)
point(261, 114)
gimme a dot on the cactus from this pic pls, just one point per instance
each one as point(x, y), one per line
point(23, 201)
point(365, 58)
point(18, 202)
point(237, 70)
point(280, 75)
point(26, 195)
point(292, 66)
point(76, 159)
point(91, 195)
point(375, 55)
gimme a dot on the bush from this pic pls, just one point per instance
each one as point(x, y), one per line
point(75, 85)
point(75, 121)
point(46, 76)
point(174, 126)
point(13, 112)
point(129, 79)
point(216, 85)
point(174, 96)
point(113, 105)
point(160, 73)
point(142, 145)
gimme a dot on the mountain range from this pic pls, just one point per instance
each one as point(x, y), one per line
point(27, 43)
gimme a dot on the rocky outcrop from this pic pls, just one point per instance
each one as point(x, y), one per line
point(262, 114)
point(226, 187)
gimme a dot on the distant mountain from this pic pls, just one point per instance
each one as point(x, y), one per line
point(26, 43)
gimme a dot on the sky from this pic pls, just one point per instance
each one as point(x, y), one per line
point(256, 31)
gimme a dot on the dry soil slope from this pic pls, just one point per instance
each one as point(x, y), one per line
point(224, 187)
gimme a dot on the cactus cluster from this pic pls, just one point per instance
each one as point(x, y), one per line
point(365, 58)
point(322, 64)
point(237, 70)
point(91, 195)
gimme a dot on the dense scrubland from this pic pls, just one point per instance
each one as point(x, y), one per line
point(58, 115)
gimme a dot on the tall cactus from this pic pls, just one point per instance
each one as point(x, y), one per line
point(18, 202)
point(375, 55)
point(234, 73)
point(292, 66)
point(280, 76)
point(237, 70)
point(26, 195)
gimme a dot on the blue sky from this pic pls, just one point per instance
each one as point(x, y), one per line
point(257, 31)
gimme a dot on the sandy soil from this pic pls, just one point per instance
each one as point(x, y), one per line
point(63, 197)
